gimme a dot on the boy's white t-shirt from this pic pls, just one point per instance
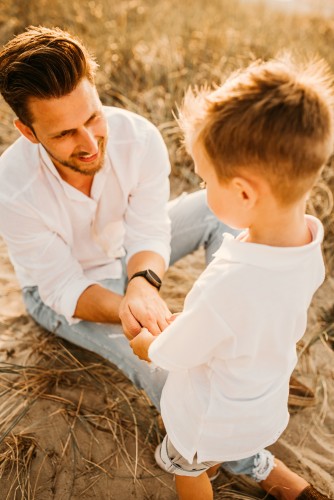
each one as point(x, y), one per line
point(231, 352)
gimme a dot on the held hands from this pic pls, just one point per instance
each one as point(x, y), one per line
point(141, 307)
point(141, 343)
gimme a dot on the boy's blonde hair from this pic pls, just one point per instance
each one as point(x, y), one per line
point(274, 118)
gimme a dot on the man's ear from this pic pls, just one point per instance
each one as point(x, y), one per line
point(26, 131)
point(246, 192)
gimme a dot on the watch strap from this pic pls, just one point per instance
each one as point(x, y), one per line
point(150, 276)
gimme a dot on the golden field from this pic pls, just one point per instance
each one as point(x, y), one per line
point(71, 426)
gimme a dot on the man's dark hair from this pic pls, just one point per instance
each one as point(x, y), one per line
point(43, 63)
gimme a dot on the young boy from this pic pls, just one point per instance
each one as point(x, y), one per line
point(258, 142)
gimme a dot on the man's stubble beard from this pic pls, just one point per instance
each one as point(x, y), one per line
point(80, 170)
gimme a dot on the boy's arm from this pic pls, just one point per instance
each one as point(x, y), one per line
point(141, 343)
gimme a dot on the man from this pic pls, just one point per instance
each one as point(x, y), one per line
point(83, 205)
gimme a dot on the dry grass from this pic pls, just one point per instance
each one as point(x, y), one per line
point(82, 394)
point(16, 455)
point(71, 426)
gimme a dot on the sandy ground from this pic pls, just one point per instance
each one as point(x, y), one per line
point(75, 428)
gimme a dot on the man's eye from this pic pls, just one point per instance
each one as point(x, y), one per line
point(62, 134)
point(202, 185)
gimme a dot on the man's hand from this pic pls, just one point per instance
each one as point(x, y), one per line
point(142, 306)
point(141, 343)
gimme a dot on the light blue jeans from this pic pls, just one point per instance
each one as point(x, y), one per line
point(193, 226)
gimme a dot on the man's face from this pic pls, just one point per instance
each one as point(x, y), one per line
point(72, 129)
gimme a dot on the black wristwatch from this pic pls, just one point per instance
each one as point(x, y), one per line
point(150, 276)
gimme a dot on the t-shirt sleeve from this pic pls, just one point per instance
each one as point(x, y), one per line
point(191, 339)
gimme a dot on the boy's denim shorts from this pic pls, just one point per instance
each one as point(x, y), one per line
point(258, 466)
point(176, 464)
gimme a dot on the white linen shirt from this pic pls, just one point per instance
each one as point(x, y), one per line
point(63, 241)
point(232, 350)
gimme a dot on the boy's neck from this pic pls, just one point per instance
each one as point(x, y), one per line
point(280, 227)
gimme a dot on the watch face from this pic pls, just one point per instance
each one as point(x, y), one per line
point(154, 276)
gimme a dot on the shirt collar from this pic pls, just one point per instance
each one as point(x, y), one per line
point(266, 256)
point(70, 191)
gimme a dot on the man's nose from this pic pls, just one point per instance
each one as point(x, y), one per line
point(88, 141)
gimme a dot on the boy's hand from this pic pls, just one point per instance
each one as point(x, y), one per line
point(173, 317)
point(141, 343)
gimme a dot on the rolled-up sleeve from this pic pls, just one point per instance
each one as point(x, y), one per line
point(44, 256)
point(147, 223)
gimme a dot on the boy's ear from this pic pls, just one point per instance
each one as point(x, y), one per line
point(245, 191)
point(26, 131)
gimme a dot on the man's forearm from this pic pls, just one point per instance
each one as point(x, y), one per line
point(99, 305)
